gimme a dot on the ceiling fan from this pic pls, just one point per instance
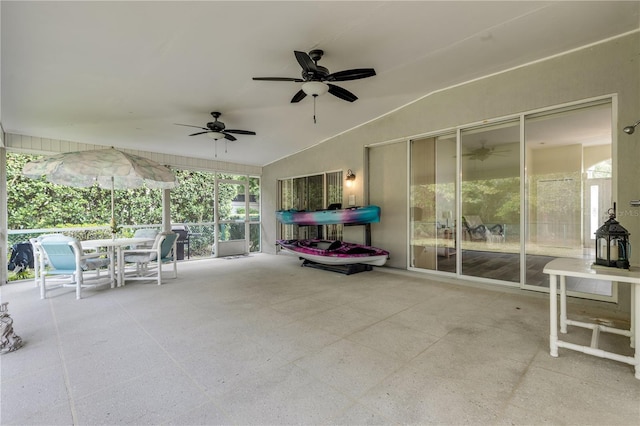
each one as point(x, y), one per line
point(216, 129)
point(316, 78)
point(483, 153)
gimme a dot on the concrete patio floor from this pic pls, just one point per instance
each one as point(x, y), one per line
point(259, 340)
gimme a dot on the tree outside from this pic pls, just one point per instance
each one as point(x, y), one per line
point(38, 204)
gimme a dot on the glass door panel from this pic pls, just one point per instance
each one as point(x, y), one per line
point(233, 206)
point(432, 198)
point(490, 201)
point(568, 157)
point(255, 242)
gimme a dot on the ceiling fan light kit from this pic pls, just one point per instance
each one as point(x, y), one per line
point(215, 135)
point(315, 88)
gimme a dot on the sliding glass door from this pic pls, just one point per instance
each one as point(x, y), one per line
point(490, 201)
point(497, 202)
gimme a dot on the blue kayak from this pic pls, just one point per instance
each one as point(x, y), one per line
point(354, 215)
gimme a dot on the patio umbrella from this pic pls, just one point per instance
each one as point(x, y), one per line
point(109, 168)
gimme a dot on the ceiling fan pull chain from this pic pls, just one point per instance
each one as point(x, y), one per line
point(215, 148)
point(225, 146)
point(314, 108)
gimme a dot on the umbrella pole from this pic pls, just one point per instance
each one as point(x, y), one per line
point(113, 201)
point(113, 223)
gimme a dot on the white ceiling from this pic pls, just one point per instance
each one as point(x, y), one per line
point(122, 73)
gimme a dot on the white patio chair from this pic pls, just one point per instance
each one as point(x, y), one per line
point(39, 257)
point(70, 266)
point(149, 261)
point(145, 233)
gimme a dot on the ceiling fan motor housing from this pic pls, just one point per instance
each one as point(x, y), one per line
point(216, 126)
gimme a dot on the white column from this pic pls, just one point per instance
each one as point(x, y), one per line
point(166, 210)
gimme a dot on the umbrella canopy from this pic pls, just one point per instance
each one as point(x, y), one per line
point(109, 168)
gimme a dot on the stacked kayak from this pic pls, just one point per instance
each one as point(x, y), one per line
point(354, 215)
point(335, 252)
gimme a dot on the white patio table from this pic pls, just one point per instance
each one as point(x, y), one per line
point(114, 248)
point(581, 268)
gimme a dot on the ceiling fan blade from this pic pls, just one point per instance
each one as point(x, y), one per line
point(342, 93)
point(297, 80)
point(200, 133)
point(229, 137)
point(240, 132)
point(189, 125)
point(298, 96)
point(305, 62)
point(353, 74)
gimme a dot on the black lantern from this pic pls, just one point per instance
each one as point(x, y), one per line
point(612, 243)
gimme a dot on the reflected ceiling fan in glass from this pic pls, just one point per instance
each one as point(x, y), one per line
point(484, 152)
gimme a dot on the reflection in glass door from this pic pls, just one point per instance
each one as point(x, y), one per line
point(490, 201)
point(568, 158)
point(503, 199)
point(432, 198)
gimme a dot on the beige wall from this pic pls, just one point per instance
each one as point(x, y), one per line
point(608, 68)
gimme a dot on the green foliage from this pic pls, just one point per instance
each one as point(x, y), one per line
point(192, 201)
point(494, 200)
point(38, 204)
point(22, 275)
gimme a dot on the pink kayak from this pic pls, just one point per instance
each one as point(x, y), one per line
point(335, 252)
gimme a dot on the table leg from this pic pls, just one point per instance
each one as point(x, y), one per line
point(112, 266)
point(41, 278)
point(635, 307)
point(634, 327)
point(553, 315)
point(120, 267)
point(563, 304)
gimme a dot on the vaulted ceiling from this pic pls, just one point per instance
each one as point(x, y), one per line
point(124, 73)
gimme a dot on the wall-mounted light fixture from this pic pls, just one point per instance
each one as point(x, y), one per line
point(630, 129)
point(351, 177)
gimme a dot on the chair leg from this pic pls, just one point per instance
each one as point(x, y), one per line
point(43, 284)
point(36, 272)
point(78, 279)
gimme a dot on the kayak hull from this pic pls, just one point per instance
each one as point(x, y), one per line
point(335, 252)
